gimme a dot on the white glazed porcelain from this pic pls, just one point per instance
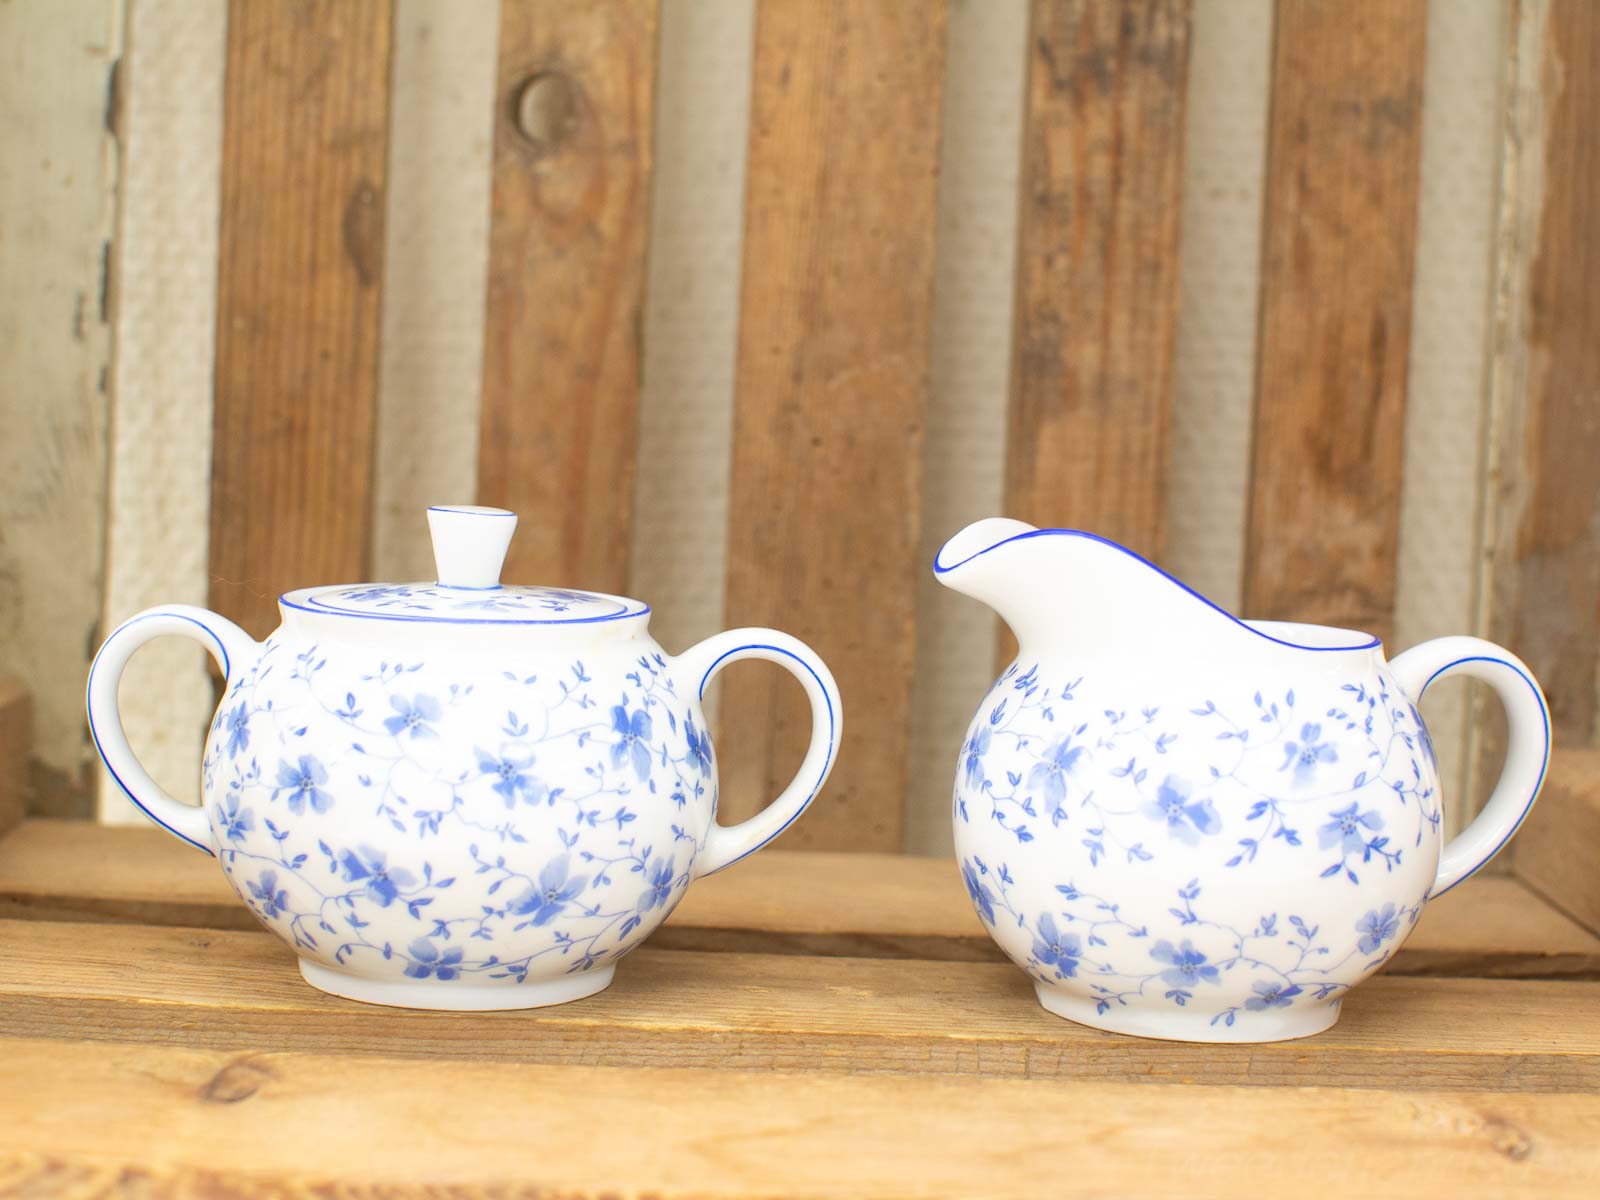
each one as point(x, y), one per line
point(1187, 826)
point(459, 795)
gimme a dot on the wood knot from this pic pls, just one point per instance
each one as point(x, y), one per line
point(362, 227)
point(544, 109)
point(236, 1081)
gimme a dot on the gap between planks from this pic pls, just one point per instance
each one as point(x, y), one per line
point(794, 902)
point(235, 991)
point(165, 1122)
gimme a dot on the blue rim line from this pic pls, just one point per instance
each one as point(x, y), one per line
point(94, 734)
point(1544, 712)
point(467, 512)
point(1370, 644)
point(827, 761)
point(642, 611)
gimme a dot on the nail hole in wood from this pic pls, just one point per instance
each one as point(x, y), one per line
point(546, 109)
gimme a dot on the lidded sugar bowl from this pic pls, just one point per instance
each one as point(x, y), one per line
point(460, 794)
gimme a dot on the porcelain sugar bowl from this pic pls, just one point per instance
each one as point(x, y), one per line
point(1183, 825)
point(460, 795)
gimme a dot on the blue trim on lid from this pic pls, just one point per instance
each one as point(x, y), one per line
point(1372, 643)
point(471, 512)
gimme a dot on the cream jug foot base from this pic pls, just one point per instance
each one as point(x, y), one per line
point(1190, 1025)
point(454, 996)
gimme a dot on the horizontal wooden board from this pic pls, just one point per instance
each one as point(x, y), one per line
point(236, 991)
point(781, 902)
point(163, 1122)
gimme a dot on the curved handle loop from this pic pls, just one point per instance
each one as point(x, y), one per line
point(727, 844)
point(227, 643)
point(1527, 747)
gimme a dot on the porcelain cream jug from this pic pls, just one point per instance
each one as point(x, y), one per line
point(1183, 825)
point(460, 795)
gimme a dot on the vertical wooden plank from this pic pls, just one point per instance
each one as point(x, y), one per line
point(1340, 229)
point(1097, 267)
point(840, 200)
point(299, 272)
point(57, 191)
point(1542, 539)
point(16, 749)
point(570, 211)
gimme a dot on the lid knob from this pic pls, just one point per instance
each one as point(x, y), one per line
point(469, 543)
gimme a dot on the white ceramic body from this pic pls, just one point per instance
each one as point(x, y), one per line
point(460, 816)
point(1185, 826)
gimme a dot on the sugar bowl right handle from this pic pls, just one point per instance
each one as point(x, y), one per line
point(727, 844)
point(1527, 746)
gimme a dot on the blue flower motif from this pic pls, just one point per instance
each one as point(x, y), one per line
point(1348, 829)
point(552, 893)
point(1377, 927)
point(633, 739)
point(1055, 949)
point(1050, 773)
point(383, 882)
point(1186, 819)
point(660, 874)
point(301, 782)
point(426, 960)
point(237, 725)
point(1272, 994)
point(982, 897)
point(1187, 966)
point(413, 717)
point(1304, 755)
point(977, 746)
point(511, 779)
point(269, 897)
point(235, 821)
point(699, 746)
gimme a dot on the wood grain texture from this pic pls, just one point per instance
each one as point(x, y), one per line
point(240, 991)
point(300, 269)
point(16, 750)
point(1097, 267)
point(258, 1125)
point(784, 902)
point(570, 211)
point(824, 509)
point(1542, 535)
point(1338, 241)
point(1558, 847)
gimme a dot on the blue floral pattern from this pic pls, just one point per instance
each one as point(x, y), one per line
point(1136, 854)
point(408, 820)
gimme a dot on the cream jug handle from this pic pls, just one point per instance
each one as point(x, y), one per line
point(1527, 744)
point(727, 844)
point(228, 644)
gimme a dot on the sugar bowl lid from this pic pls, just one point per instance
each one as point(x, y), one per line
point(469, 548)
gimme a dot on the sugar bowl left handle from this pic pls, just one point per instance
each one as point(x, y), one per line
point(229, 645)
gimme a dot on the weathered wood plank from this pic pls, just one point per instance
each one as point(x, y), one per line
point(16, 750)
point(785, 902)
point(80, 1124)
point(1097, 267)
point(570, 212)
point(1542, 534)
point(1559, 848)
point(832, 386)
point(240, 991)
point(300, 269)
point(1340, 230)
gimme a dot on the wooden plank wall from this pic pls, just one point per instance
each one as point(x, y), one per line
point(572, 171)
point(831, 393)
point(842, 225)
point(1339, 230)
point(305, 145)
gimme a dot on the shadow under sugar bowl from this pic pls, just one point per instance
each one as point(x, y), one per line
point(1183, 825)
point(460, 795)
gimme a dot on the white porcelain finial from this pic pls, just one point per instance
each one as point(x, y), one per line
point(469, 543)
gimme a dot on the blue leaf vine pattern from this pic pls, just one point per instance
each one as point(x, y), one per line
point(359, 797)
point(1199, 789)
point(419, 598)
